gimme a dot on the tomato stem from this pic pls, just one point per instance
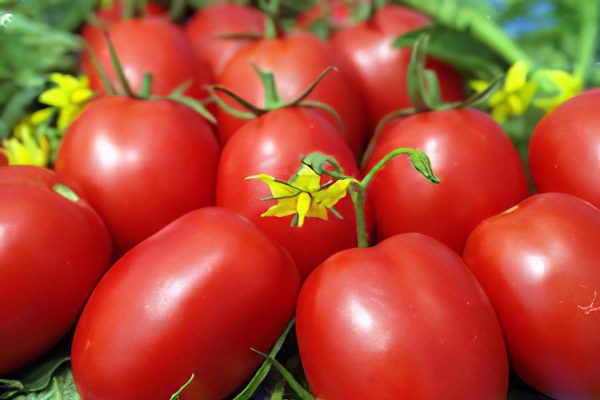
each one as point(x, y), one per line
point(118, 67)
point(588, 37)
point(358, 189)
point(263, 371)
point(176, 10)
point(107, 85)
point(272, 99)
point(271, 10)
point(358, 195)
point(128, 9)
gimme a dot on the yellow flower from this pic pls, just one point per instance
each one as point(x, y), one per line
point(564, 84)
point(303, 195)
point(515, 96)
point(69, 96)
point(24, 148)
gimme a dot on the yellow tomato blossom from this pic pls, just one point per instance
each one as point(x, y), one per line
point(516, 94)
point(566, 86)
point(69, 96)
point(303, 195)
point(24, 148)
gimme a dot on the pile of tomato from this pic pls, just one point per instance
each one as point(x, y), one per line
point(148, 238)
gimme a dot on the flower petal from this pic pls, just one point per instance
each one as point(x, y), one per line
point(306, 179)
point(54, 97)
point(278, 188)
point(334, 193)
point(283, 208)
point(302, 207)
point(42, 115)
point(516, 76)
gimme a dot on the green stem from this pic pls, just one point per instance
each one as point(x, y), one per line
point(588, 37)
point(377, 4)
point(369, 177)
point(118, 67)
point(128, 9)
point(176, 10)
point(272, 99)
point(358, 194)
point(270, 27)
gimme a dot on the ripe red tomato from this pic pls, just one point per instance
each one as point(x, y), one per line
point(149, 45)
point(377, 70)
point(93, 35)
point(216, 20)
point(564, 152)
point(194, 298)
point(479, 168)
point(540, 265)
point(274, 144)
point(52, 252)
point(295, 61)
point(404, 319)
point(3, 158)
point(140, 163)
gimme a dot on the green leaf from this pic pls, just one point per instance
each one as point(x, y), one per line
point(421, 162)
point(194, 105)
point(175, 395)
point(264, 369)
point(49, 380)
point(289, 378)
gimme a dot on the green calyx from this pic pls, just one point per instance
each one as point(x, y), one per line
point(423, 85)
point(145, 92)
point(66, 192)
point(271, 10)
point(272, 99)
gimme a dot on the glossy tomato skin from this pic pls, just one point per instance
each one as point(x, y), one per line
point(52, 253)
point(140, 163)
point(220, 19)
point(149, 45)
point(404, 319)
point(540, 266)
point(377, 70)
point(479, 168)
point(295, 61)
point(274, 144)
point(564, 152)
point(194, 298)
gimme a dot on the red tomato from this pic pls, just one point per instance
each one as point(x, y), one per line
point(540, 265)
point(52, 252)
point(479, 168)
point(194, 298)
point(404, 319)
point(140, 163)
point(149, 45)
point(93, 35)
point(216, 20)
point(3, 158)
point(274, 144)
point(377, 70)
point(295, 61)
point(564, 152)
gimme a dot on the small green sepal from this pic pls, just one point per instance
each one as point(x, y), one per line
point(66, 192)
